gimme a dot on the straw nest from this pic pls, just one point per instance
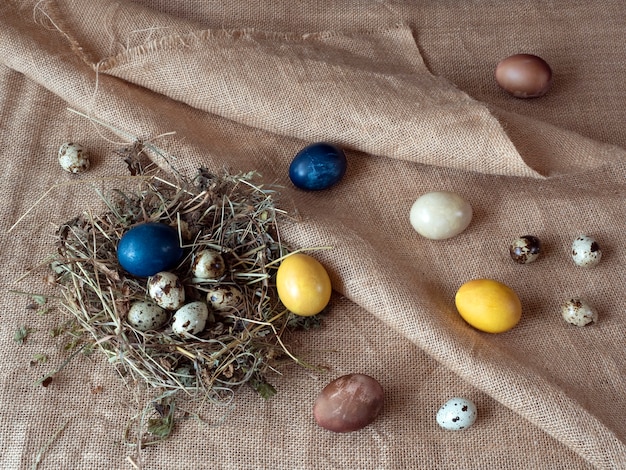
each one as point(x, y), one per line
point(228, 213)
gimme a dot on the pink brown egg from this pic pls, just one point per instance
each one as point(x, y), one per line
point(349, 403)
point(524, 75)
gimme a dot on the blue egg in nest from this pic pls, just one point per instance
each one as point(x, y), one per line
point(149, 248)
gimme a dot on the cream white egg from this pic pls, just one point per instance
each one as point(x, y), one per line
point(190, 318)
point(439, 215)
point(167, 290)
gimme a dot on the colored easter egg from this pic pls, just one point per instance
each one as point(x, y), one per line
point(488, 305)
point(303, 284)
point(318, 166)
point(149, 248)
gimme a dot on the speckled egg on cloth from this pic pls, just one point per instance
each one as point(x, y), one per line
point(578, 312)
point(73, 158)
point(586, 251)
point(525, 249)
point(457, 414)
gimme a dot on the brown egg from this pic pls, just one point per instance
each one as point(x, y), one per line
point(524, 75)
point(349, 403)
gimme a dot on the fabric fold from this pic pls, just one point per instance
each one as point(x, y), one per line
point(369, 92)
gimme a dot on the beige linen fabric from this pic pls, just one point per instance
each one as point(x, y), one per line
point(406, 88)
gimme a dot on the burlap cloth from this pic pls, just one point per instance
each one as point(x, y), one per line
point(407, 89)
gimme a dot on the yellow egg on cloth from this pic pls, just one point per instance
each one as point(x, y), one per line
point(303, 284)
point(488, 305)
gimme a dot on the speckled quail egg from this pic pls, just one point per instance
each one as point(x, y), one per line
point(166, 290)
point(456, 414)
point(224, 298)
point(146, 316)
point(586, 252)
point(208, 264)
point(73, 158)
point(190, 318)
point(525, 249)
point(578, 312)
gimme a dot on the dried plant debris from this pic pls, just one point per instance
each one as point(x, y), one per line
point(21, 334)
point(229, 214)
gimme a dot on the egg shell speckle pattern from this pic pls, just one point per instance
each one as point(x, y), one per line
point(578, 312)
point(73, 158)
point(190, 319)
point(146, 316)
point(208, 264)
point(167, 290)
point(224, 298)
point(525, 249)
point(586, 252)
point(456, 414)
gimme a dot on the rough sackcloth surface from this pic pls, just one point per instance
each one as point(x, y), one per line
point(407, 89)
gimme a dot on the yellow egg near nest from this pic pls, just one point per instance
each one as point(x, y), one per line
point(303, 284)
point(166, 329)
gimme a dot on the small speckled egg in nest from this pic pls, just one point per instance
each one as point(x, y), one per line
point(73, 158)
point(208, 264)
point(525, 249)
point(456, 414)
point(167, 290)
point(586, 252)
point(224, 298)
point(190, 319)
point(145, 316)
point(578, 312)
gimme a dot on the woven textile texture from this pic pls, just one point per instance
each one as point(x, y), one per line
point(407, 89)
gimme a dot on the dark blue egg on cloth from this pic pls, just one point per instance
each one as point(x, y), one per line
point(318, 166)
point(149, 248)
